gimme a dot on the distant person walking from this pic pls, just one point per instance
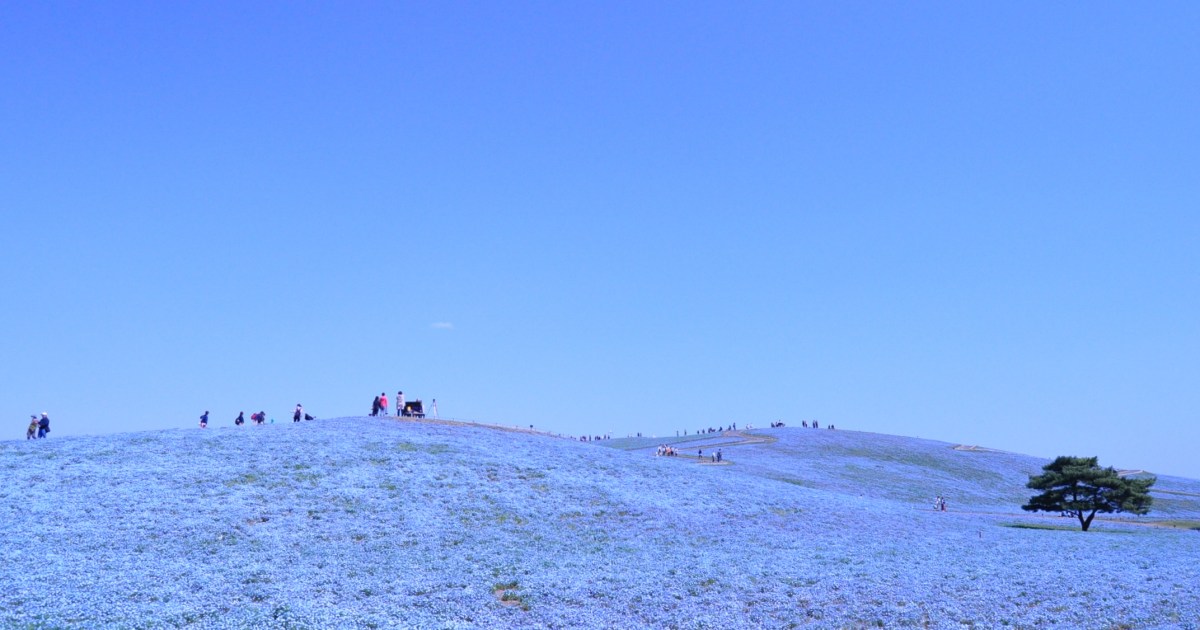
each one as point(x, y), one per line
point(399, 403)
point(31, 432)
point(433, 406)
point(383, 403)
point(43, 425)
point(204, 420)
point(299, 413)
point(375, 407)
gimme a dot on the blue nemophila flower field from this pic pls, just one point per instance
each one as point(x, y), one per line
point(370, 522)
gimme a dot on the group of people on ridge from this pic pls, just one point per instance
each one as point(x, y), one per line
point(38, 427)
point(259, 417)
point(379, 406)
point(732, 427)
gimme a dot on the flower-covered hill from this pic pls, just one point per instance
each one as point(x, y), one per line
point(902, 469)
point(369, 522)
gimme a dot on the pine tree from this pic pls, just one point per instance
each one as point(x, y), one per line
point(1079, 487)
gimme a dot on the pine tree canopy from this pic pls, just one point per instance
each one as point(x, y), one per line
point(1079, 487)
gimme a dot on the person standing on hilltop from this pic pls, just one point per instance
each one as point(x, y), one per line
point(43, 425)
point(31, 432)
point(399, 403)
point(204, 420)
point(241, 419)
point(296, 415)
point(383, 403)
point(375, 407)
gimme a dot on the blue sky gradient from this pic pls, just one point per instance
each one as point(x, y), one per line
point(970, 223)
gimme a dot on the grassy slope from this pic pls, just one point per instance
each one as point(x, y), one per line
point(374, 523)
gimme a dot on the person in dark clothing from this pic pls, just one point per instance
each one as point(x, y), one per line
point(375, 407)
point(299, 413)
point(204, 420)
point(241, 419)
point(43, 425)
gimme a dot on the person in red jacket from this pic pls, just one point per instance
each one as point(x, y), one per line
point(383, 404)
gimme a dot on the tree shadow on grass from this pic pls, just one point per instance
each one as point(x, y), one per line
point(1063, 528)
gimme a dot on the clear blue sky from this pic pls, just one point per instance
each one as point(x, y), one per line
point(973, 222)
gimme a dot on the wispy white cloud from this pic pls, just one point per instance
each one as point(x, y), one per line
point(442, 325)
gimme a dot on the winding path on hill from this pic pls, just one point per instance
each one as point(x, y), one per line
point(737, 438)
point(456, 422)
